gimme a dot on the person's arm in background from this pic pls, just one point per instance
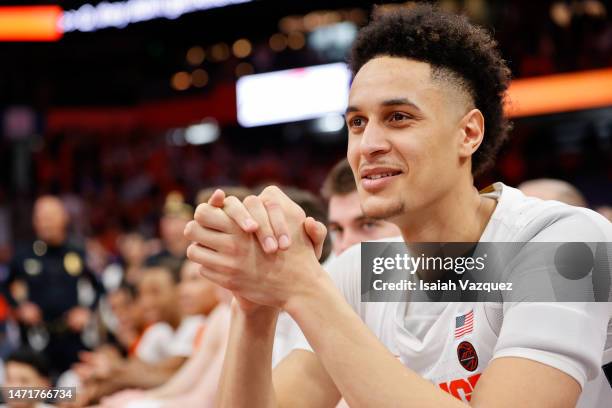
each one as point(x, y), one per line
point(197, 380)
point(15, 291)
point(188, 376)
point(138, 374)
point(79, 316)
point(132, 374)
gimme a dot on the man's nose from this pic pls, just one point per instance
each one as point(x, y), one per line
point(374, 140)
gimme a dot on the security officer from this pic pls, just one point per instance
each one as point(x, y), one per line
point(52, 287)
point(177, 213)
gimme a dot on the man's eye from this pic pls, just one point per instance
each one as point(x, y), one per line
point(334, 229)
point(368, 226)
point(398, 116)
point(356, 122)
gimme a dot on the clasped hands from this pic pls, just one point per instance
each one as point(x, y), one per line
point(264, 249)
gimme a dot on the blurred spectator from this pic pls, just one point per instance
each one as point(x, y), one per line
point(197, 299)
point(52, 286)
point(195, 384)
point(176, 215)
point(552, 189)
point(103, 371)
point(161, 350)
point(25, 368)
point(128, 268)
point(348, 225)
point(158, 309)
point(119, 313)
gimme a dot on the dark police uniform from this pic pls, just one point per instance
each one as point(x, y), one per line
point(56, 279)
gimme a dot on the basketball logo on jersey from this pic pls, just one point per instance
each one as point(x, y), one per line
point(466, 353)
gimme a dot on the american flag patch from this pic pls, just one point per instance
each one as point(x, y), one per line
point(464, 324)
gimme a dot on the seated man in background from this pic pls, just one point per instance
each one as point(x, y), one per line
point(150, 361)
point(25, 368)
point(195, 383)
point(553, 189)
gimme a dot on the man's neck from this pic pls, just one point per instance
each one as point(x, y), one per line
point(460, 215)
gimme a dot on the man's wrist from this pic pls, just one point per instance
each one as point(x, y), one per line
point(259, 319)
point(316, 288)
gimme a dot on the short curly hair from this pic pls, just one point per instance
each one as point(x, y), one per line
point(456, 50)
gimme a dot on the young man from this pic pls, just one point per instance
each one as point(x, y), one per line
point(426, 84)
point(347, 224)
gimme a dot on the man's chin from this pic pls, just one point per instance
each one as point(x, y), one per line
point(380, 208)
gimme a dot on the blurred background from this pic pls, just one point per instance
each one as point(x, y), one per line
point(121, 108)
point(101, 115)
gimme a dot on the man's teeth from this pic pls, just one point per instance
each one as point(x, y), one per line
point(377, 176)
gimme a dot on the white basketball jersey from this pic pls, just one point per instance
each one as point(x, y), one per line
point(451, 344)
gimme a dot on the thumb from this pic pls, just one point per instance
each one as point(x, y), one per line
point(217, 199)
point(316, 231)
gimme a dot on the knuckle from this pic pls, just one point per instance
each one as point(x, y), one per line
point(250, 200)
point(191, 253)
point(189, 229)
point(299, 211)
point(231, 201)
point(201, 212)
point(270, 191)
point(271, 204)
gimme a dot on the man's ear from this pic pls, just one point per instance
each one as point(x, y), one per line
point(471, 129)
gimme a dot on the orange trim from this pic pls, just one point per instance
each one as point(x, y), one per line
point(197, 340)
point(30, 23)
point(560, 93)
point(134, 346)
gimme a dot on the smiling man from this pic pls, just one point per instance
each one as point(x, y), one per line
point(426, 86)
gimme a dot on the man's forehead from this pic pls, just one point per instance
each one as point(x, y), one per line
point(390, 78)
point(383, 79)
point(344, 208)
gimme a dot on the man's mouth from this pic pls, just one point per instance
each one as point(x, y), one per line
point(376, 178)
point(381, 175)
point(375, 173)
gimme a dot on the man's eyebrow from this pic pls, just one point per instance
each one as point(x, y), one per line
point(400, 101)
point(364, 218)
point(388, 102)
